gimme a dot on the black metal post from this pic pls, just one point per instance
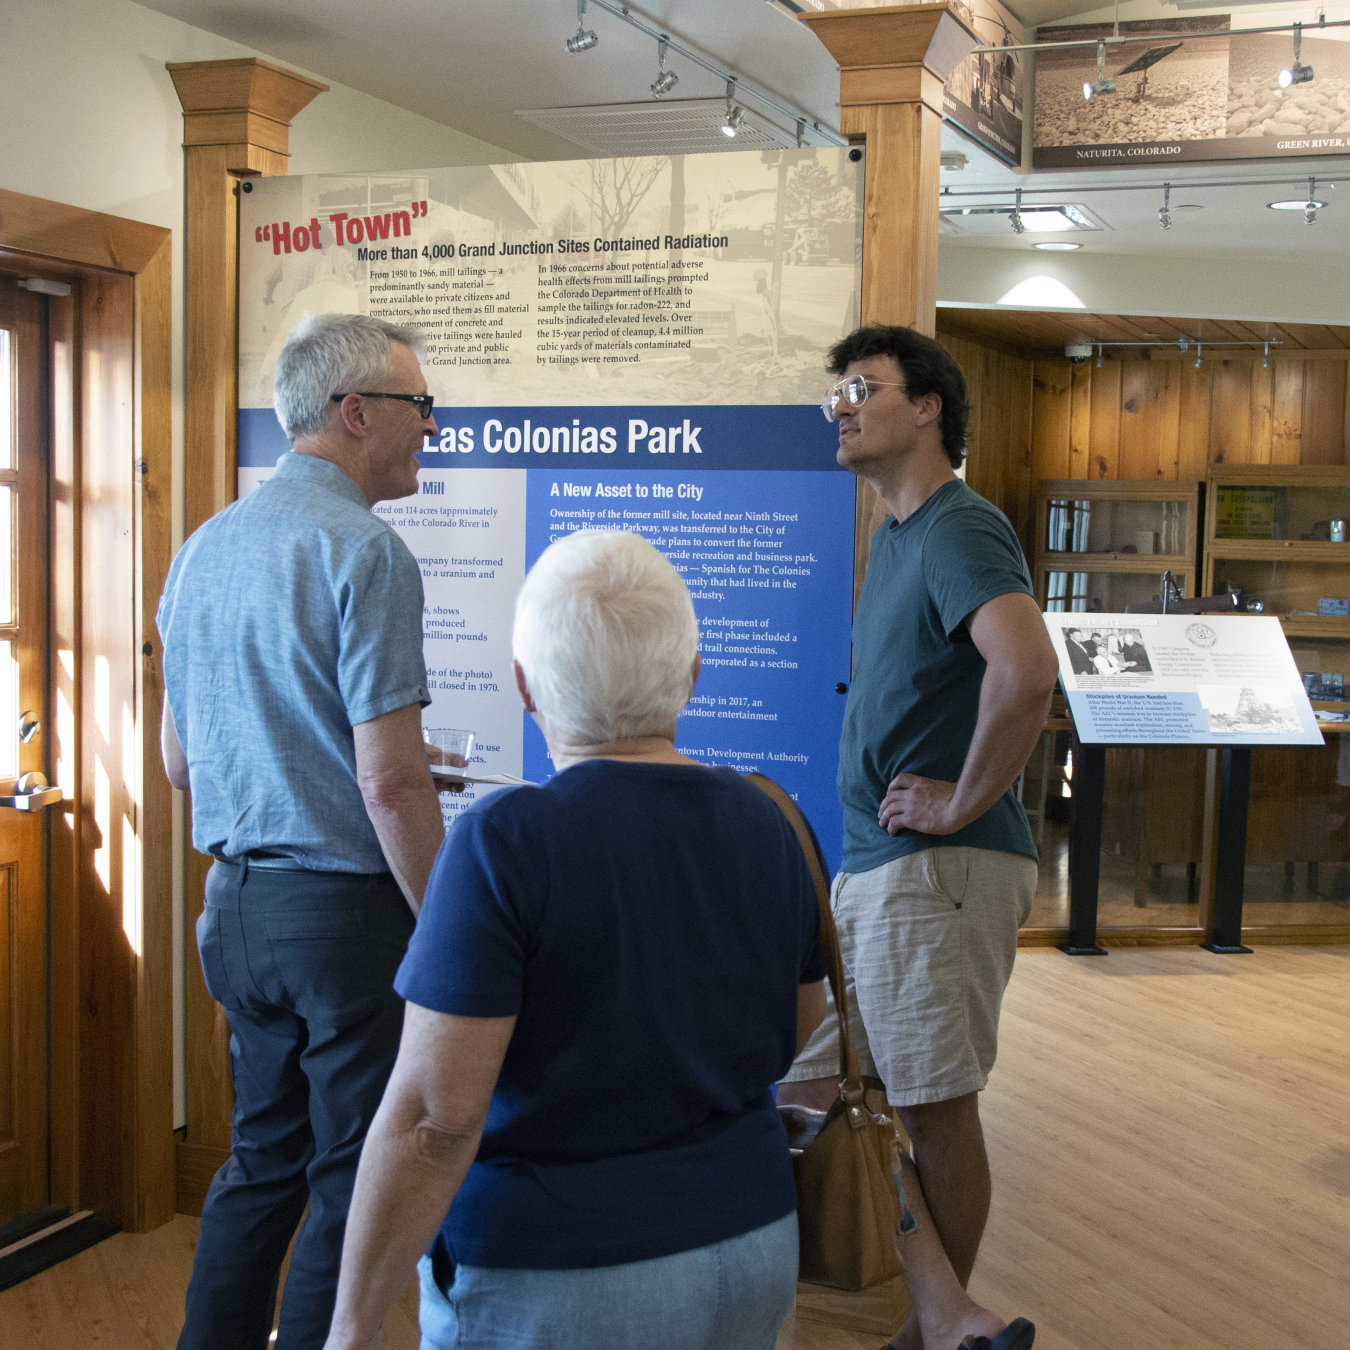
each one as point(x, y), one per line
point(1235, 777)
point(1085, 848)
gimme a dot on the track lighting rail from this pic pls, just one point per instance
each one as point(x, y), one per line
point(796, 117)
point(1192, 185)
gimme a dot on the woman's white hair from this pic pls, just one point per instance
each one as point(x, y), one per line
point(606, 635)
point(327, 354)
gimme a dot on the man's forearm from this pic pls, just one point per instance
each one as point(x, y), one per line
point(407, 821)
point(1011, 718)
point(408, 1176)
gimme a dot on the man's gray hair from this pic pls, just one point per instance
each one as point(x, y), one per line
point(606, 635)
point(329, 354)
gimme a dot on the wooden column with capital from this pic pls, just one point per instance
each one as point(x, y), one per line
point(236, 125)
point(894, 61)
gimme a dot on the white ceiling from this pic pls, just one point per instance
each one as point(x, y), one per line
point(472, 64)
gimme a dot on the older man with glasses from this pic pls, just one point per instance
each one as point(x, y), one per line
point(292, 627)
point(951, 684)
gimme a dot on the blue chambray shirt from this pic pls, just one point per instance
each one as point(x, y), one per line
point(289, 618)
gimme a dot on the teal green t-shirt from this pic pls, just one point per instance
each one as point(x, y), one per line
point(915, 695)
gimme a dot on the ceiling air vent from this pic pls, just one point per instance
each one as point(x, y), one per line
point(691, 126)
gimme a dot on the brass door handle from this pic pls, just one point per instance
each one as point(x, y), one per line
point(29, 792)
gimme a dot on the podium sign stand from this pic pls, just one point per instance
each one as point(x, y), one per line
point(1132, 680)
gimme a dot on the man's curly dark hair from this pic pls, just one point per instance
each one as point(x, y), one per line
point(929, 369)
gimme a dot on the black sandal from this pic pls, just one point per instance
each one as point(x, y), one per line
point(1019, 1334)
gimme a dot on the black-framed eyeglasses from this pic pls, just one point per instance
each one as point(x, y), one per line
point(854, 392)
point(422, 402)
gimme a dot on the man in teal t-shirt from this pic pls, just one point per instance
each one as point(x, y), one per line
point(952, 675)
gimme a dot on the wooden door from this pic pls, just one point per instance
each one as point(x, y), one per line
point(24, 565)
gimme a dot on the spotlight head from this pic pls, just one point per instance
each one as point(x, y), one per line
point(1296, 74)
point(1310, 213)
point(582, 41)
point(1095, 88)
point(733, 121)
point(1015, 220)
point(665, 80)
point(1164, 218)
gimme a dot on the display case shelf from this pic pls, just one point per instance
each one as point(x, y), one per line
point(1120, 535)
point(1267, 535)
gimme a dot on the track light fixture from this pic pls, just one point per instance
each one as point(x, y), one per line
point(665, 80)
point(1310, 207)
point(1099, 356)
point(584, 38)
point(1197, 356)
point(1101, 85)
point(1265, 360)
point(1297, 73)
point(731, 124)
point(1164, 214)
point(1015, 219)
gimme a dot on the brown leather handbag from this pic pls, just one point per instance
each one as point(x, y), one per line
point(845, 1159)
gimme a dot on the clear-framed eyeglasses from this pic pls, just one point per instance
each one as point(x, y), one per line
point(854, 392)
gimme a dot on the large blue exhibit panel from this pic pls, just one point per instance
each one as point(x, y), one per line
point(765, 550)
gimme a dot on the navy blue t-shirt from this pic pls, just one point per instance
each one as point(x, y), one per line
point(648, 925)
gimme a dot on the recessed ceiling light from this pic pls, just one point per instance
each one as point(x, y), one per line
point(1057, 246)
point(1302, 204)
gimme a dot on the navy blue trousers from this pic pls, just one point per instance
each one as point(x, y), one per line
point(303, 964)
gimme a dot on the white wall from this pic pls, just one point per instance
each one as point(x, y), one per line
point(91, 119)
point(1224, 286)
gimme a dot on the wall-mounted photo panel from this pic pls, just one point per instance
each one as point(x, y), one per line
point(631, 344)
point(1180, 99)
point(984, 94)
point(1168, 104)
point(1181, 679)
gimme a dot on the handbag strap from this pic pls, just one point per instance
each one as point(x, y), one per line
point(851, 1085)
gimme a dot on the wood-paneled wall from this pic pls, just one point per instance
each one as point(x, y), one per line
point(999, 443)
point(1165, 419)
point(1156, 419)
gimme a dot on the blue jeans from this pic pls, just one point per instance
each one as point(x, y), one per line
point(732, 1295)
point(303, 964)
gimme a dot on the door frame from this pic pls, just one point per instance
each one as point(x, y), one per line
point(111, 983)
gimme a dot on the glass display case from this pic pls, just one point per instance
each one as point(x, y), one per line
point(1100, 592)
point(1277, 537)
point(1103, 545)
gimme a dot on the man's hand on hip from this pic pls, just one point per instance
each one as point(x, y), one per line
point(922, 804)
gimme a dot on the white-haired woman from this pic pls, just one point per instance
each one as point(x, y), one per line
point(608, 973)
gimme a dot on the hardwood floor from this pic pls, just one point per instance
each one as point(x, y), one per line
point(1168, 1132)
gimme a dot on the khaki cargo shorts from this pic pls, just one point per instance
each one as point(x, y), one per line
point(928, 942)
